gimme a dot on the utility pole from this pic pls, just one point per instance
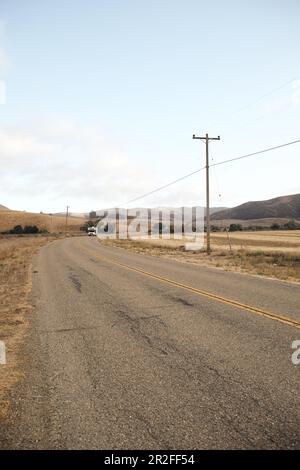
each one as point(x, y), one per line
point(207, 139)
point(67, 215)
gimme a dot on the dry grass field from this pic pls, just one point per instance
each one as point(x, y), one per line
point(269, 240)
point(268, 253)
point(53, 224)
point(15, 284)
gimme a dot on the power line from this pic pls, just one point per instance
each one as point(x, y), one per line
point(166, 185)
point(256, 153)
point(260, 98)
point(269, 149)
point(257, 100)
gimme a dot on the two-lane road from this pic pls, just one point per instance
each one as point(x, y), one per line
point(131, 351)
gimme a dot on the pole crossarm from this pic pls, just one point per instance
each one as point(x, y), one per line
point(204, 138)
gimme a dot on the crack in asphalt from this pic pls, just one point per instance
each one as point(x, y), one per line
point(76, 282)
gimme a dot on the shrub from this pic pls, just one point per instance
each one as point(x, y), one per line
point(17, 229)
point(30, 229)
point(290, 225)
point(235, 228)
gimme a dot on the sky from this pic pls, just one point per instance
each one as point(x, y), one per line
point(99, 100)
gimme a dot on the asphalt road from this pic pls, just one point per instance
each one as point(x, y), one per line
point(130, 351)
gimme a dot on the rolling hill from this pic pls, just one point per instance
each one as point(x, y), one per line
point(287, 207)
point(55, 224)
point(280, 209)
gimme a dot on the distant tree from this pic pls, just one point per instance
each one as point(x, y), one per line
point(290, 225)
point(275, 226)
point(89, 223)
point(30, 229)
point(235, 228)
point(92, 215)
point(17, 229)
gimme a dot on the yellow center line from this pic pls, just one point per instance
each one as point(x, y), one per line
point(218, 298)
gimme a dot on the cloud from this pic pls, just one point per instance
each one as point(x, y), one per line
point(59, 160)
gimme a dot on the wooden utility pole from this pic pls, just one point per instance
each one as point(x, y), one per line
point(207, 139)
point(67, 215)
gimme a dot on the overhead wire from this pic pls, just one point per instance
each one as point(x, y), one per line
point(160, 188)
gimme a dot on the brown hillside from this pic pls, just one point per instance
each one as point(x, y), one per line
point(287, 207)
point(55, 224)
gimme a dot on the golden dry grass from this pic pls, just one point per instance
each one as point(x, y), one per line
point(53, 224)
point(272, 254)
point(269, 240)
point(15, 284)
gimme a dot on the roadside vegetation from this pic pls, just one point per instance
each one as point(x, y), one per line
point(15, 284)
point(28, 229)
point(268, 253)
point(50, 223)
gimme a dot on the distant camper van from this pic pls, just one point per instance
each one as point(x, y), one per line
point(91, 231)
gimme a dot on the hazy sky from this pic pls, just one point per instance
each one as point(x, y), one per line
point(100, 98)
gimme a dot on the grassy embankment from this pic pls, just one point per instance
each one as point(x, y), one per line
point(15, 284)
point(269, 253)
point(45, 222)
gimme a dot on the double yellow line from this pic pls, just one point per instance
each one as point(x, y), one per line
point(209, 295)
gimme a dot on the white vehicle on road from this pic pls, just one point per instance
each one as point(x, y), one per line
point(91, 231)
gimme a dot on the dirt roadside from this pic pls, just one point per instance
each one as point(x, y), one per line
point(279, 264)
point(15, 284)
